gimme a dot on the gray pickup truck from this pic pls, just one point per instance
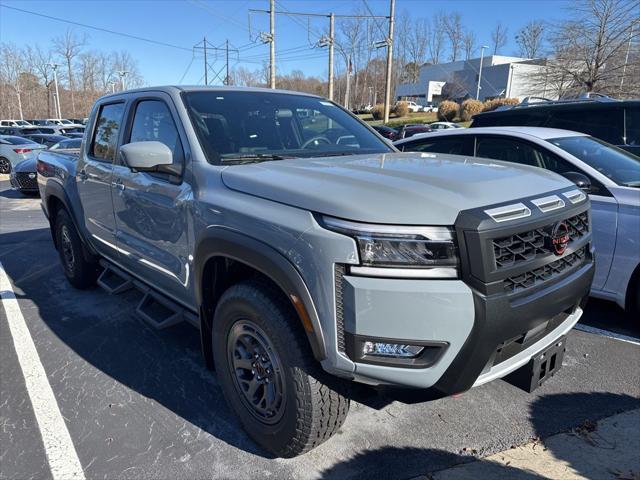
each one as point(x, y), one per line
point(310, 253)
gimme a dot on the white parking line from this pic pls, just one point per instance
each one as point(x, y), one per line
point(61, 454)
point(607, 333)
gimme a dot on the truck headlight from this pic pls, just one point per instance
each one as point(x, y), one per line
point(384, 249)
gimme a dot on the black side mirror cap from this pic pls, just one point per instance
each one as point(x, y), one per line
point(580, 179)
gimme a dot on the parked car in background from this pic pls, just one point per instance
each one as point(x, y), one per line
point(615, 121)
point(24, 177)
point(14, 150)
point(14, 123)
point(443, 125)
point(413, 107)
point(429, 107)
point(45, 139)
point(67, 144)
point(409, 130)
point(38, 122)
point(386, 132)
point(79, 121)
point(19, 131)
point(62, 122)
point(610, 175)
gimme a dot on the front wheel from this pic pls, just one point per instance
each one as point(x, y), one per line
point(267, 374)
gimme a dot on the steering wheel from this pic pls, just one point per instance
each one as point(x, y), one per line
point(316, 139)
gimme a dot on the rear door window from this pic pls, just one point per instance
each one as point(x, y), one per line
point(509, 150)
point(603, 123)
point(456, 145)
point(105, 136)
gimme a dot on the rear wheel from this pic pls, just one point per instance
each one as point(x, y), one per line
point(81, 272)
point(267, 374)
point(5, 165)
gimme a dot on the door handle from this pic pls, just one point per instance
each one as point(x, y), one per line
point(118, 184)
point(82, 175)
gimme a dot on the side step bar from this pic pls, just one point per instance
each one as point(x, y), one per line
point(155, 309)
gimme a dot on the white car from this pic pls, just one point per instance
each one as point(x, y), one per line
point(413, 106)
point(14, 123)
point(443, 125)
point(610, 175)
point(429, 108)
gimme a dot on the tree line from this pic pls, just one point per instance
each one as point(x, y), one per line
point(27, 86)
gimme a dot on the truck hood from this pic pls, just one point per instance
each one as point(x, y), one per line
point(393, 188)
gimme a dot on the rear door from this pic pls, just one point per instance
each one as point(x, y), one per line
point(604, 207)
point(152, 208)
point(94, 177)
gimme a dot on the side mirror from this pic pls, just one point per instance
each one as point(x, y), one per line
point(580, 179)
point(146, 155)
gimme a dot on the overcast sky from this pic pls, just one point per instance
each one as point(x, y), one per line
point(183, 23)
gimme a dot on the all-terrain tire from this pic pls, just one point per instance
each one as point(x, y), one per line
point(80, 270)
point(312, 410)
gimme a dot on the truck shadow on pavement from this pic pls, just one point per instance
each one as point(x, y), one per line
point(549, 415)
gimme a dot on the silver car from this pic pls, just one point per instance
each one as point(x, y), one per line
point(609, 174)
point(14, 150)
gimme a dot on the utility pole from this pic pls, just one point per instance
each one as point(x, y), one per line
point(331, 36)
point(347, 92)
point(387, 89)
point(206, 66)
point(272, 47)
point(480, 71)
point(270, 38)
point(226, 79)
point(54, 67)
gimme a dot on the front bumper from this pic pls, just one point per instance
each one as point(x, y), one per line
point(481, 327)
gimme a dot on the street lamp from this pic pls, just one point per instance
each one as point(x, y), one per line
point(122, 73)
point(480, 71)
point(54, 67)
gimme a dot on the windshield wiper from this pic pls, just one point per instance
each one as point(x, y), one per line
point(248, 157)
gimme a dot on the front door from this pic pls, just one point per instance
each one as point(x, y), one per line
point(151, 208)
point(94, 178)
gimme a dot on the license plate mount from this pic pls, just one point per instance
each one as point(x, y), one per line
point(542, 366)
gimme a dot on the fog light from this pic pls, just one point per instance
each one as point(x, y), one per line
point(391, 350)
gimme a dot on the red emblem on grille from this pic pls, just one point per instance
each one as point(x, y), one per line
point(560, 238)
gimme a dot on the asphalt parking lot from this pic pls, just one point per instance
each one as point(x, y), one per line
point(138, 403)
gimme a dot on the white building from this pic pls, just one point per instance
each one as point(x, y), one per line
point(501, 77)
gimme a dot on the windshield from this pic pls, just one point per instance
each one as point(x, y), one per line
point(22, 123)
point(620, 166)
point(66, 122)
point(242, 126)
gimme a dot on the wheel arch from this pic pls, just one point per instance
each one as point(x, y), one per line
point(216, 249)
point(632, 287)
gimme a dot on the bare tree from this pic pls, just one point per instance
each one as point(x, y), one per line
point(69, 46)
point(454, 32)
point(417, 47)
point(469, 41)
point(435, 44)
point(12, 67)
point(530, 39)
point(499, 37)
point(591, 48)
point(40, 63)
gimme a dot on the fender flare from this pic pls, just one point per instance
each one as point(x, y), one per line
point(226, 243)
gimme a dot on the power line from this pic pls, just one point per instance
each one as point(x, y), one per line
point(100, 29)
point(215, 13)
point(193, 57)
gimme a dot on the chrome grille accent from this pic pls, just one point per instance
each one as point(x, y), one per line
point(509, 212)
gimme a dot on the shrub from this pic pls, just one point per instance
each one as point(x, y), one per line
point(498, 102)
point(401, 109)
point(447, 111)
point(469, 108)
point(377, 111)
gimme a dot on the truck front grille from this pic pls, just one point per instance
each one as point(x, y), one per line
point(547, 272)
point(525, 246)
